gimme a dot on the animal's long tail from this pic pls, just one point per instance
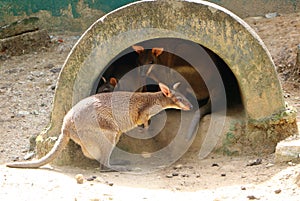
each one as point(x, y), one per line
point(59, 145)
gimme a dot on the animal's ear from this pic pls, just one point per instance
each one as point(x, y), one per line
point(176, 85)
point(113, 81)
point(156, 51)
point(138, 49)
point(165, 89)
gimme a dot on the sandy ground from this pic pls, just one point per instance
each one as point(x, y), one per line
point(26, 90)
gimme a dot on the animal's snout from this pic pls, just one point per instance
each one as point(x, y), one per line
point(187, 106)
point(190, 106)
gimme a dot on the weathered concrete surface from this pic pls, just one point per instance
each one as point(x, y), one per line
point(223, 33)
point(24, 43)
point(201, 22)
point(19, 27)
point(264, 134)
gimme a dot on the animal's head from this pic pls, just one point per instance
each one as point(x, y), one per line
point(176, 99)
point(147, 56)
point(107, 86)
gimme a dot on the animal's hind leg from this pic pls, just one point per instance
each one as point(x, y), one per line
point(103, 168)
point(86, 153)
point(107, 164)
point(100, 148)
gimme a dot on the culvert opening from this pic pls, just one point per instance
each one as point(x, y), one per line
point(169, 60)
point(233, 93)
point(172, 58)
point(219, 29)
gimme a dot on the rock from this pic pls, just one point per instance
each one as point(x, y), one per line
point(255, 162)
point(49, 66)
point(55, 70)
point(3, 57)
point(185, 175)
point(79, 178)
point(223, 175)
point(22, 113)
point(177, 167)
point(11, 71)
point(92, 178)
point(288, 150)
point(271, 15)
point(25, 43)
point(37, 74)
point(109, 183)
point(169, 176)
point(175, 174)
point(215, 165)
point(277, 191)
point(252, 197)
point(16, 158)
point(19, 27)
point(35, 112)
point(291, 163)
point(243, 188)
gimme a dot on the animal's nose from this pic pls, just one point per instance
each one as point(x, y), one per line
point(188, 107)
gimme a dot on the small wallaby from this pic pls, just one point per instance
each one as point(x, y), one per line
point(107, 86)
point(97, 122)
point(125, 78)
point(197, 84)
point(147, 57)
point(151, 56)
point(158, 55)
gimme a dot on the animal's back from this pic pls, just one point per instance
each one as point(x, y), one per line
point(110, 110)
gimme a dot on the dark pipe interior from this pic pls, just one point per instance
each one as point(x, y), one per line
point(127, 60)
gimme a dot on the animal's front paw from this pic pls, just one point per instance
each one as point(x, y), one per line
point(146, 124)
